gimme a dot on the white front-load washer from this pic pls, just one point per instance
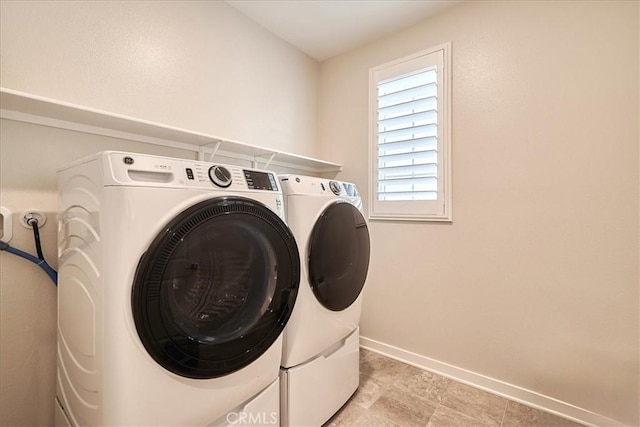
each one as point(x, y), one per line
point(320, 368)
point(176, 280)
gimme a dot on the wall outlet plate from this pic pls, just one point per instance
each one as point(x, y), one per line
point(6, 222)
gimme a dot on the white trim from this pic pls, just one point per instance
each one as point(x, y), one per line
point(39, 110)
point(491, 385)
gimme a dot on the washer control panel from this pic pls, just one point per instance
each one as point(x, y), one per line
point(155, 171)
point(231, 177)
point(144, 170)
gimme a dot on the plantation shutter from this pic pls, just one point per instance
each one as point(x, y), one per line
point(408, 137)
point(409, 154)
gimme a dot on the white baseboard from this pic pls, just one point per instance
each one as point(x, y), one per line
point(492, 385)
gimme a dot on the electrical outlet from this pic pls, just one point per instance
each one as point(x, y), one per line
point(6, 224)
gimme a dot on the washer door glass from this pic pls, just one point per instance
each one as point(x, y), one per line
point(216, 287)
point(338, 256)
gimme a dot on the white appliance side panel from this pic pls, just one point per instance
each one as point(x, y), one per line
point(80, 294)
point(312, 393)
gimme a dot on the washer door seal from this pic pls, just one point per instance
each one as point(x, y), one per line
point(216, 287)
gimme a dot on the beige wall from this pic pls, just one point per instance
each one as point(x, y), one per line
point(535, 283)
point(196, 65)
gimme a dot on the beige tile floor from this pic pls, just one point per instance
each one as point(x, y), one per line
point(393, 394)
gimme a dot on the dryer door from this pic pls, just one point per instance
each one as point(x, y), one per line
point(338, 256)
point(216, 287)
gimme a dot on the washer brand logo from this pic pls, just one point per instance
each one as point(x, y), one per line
point(128, 160)
point(258, 418)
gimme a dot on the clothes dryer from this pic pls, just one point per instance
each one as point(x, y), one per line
point(176, 280)
point(320, 366)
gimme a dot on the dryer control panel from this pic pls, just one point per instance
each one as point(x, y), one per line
point(305, 186)
point(311, 185)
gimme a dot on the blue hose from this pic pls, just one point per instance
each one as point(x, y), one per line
point(53, 275)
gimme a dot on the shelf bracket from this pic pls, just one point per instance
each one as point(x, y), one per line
point(203, 150)
point(271, 157)
point(256, 165)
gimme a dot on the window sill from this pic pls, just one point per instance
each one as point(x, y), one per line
point(412, 218)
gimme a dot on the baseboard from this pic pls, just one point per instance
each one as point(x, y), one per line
point(508, 391)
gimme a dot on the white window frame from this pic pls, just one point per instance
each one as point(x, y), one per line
point(436, 210)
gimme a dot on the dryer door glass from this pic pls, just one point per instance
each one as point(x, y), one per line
point(338, 256)
point(216, 287)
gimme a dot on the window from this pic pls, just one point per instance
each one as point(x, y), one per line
point(410, 149)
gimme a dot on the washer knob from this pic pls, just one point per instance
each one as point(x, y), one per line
point(220, 176)
point(335, 187)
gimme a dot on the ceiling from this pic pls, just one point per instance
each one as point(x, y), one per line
point(325, 28)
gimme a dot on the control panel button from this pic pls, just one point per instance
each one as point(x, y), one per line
point(190, 173)
point(335, 187)
point(220, 176)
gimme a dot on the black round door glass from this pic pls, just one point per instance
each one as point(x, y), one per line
point(216, 287)
point(338, 256)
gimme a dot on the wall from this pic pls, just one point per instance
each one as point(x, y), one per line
point(201, 66)
point(195, 65)
point(535, 282)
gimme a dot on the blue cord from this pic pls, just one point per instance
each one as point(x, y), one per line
point(53, 275)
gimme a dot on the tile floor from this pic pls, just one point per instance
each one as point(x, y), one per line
point(393, 394)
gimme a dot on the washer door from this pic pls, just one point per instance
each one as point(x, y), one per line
point(338, 256)
point(216, 287)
